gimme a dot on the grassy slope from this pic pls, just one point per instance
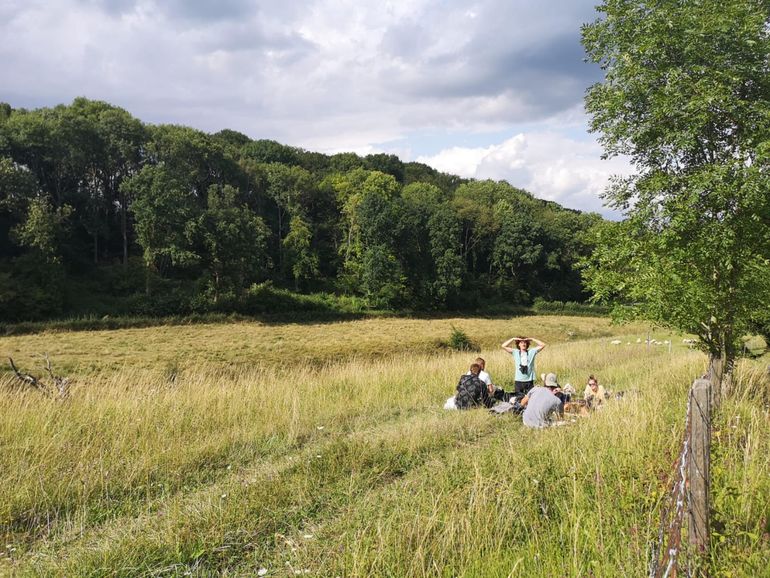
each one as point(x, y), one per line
point(344, 464)
point(268, 345)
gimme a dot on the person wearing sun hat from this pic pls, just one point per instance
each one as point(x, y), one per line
point(524, 360)
point(541, 403)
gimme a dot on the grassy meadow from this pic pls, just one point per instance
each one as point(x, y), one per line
point(248, 449)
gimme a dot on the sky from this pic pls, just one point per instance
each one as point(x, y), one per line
point(488, 89)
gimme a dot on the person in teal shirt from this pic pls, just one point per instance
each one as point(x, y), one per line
point(524, 359)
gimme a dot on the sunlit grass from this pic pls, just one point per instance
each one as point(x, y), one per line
point(341, 462)
point(255, 344)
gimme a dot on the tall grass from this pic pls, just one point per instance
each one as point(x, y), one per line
point(341, 463)
point(254, 344)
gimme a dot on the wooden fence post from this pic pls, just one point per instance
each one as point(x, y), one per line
point(699, 467)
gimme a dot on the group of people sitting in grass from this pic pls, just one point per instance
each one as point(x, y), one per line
point(537, 404)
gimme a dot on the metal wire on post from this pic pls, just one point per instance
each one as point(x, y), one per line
point(688, 493)
point(663, 559)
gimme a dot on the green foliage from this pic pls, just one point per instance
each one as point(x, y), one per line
point(163, 213)
point(198, 218)
point(299, 251)
point(234, 242)
point(516, 245)
point(17, 186)
point(754, 345)
point(444, 232)
point(31, 288)
point(459, 341)
point(686, 95)
point(43, 229)
point(270, 151)
point(387, 164)
point(540, 305)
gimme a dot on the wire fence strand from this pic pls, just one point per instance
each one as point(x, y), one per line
point(669, 554)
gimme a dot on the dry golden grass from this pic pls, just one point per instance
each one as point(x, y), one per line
point(194, 459)
point(264, 345)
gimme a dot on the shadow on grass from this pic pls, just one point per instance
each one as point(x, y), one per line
point(289, 308)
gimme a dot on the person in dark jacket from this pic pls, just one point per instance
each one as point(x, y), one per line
point(472, 391)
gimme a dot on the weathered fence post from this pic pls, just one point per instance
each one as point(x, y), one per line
point(699, 467)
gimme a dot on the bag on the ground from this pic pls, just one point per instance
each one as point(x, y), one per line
point(450, 403)
point(502, 407)
point(512, 405)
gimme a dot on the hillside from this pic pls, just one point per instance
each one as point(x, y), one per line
point(102, 214)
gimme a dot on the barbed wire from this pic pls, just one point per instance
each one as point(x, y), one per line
point(665, 553)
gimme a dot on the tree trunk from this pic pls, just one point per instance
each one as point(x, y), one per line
point(124, 230)
point(721, 366)
point(280, 237)
point(728, 365)
point(715, 376)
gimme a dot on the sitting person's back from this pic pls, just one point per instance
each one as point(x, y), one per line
point(540, 403)
point(472, 391)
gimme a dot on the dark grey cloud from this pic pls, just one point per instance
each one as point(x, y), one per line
point(195, 10)
point(255, 36)
point(323, 74)
point(504, 48)
point(113, 7)
point(302, 68)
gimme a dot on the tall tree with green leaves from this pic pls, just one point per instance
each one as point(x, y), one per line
point(233, 243)
point(516, 247)
point(164, 209)
point(42, 229)
point(686, 95)
point(430, 248)
point(298, 246)
point(291, 188)
point(372, 216)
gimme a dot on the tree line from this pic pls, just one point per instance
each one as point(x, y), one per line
point(101, 213)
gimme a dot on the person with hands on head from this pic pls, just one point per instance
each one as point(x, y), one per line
point(524, 359)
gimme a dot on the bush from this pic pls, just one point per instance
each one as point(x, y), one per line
point(569, 308)
point(459, 341)
point(31, 289)
point(754, 345)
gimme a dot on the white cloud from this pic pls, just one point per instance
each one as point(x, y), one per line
point(549, 164)
point(319, 73)
point(331, 75)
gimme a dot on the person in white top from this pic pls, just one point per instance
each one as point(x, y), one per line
point(484, 376)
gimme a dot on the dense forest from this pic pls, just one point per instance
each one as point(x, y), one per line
point(101, 214)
